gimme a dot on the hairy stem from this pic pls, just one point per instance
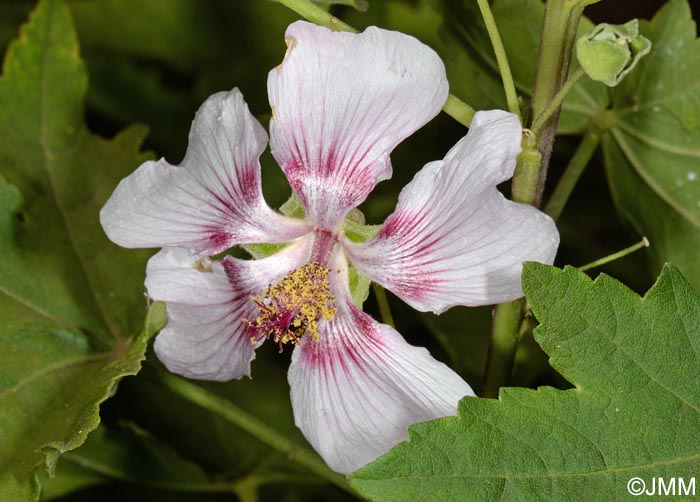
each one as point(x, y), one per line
point(458, 110)
point(561, 21)
point(557, 101)
point(572, 173)
point(252, 425)
point(501, 58)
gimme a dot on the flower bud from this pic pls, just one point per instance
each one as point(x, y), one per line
point(609, 52)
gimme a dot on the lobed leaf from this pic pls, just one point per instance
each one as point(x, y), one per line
point(68, 297)
point(633, 412)
point(652, 148)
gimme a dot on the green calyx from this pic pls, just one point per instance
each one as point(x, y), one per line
point(609, 52)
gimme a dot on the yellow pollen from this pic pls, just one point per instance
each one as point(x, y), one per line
point(202, 266)
point(293, 306)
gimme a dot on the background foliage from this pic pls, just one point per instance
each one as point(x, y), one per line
point(71, 303)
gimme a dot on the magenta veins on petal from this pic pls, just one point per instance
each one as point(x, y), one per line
point(341, 103)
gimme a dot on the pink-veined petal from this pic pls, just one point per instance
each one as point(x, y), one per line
point(209, 203)
point(454, 239)
point(341, 102)
point(206, 337)
point(358, 387)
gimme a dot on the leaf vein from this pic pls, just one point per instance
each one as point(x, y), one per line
point(639, 169)
point(58, 366)
point(49, 158)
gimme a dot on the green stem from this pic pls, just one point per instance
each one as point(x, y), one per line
point(561, 20)
point(454, 107)
point(502, 346)
point(644, 243)
point(312, 12)
point(527, 168)
point(383, 302)
point(559, 27)
point(237, 416)
point(557, 101)
point(501, 57)
point(108, 471)
point(458, 110)
point(572, 173)
point(247, 489)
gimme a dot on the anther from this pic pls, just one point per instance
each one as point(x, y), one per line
point(292, 307)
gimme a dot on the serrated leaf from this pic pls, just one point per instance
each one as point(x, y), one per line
point(634, 411)
point(653, 147)
point(68, 297)
point(11, 16)
point(52, 383)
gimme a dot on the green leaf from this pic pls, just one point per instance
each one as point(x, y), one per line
point(473, 71)
point(134, 456)
point(51, 385)
point(158, 32)
point(634, 411)
point(69, 478)
point(652, 150)
point(159, 66)
point(126, 91)
point(69, 299)
point(672, 237)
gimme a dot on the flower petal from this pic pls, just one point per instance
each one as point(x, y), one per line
point(356, 390)
point(454, 239)
point(209, 203)
point(205, 337)
point(341, 102)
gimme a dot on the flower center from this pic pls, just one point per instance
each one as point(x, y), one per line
point(293, 306)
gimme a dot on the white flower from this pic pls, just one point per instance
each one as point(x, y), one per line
point(341, 102)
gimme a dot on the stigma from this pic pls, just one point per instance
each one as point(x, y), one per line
point(292, 307)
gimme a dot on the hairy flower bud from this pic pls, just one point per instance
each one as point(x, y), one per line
point(610, 52)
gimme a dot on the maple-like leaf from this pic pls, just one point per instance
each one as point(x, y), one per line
point(634, 410)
